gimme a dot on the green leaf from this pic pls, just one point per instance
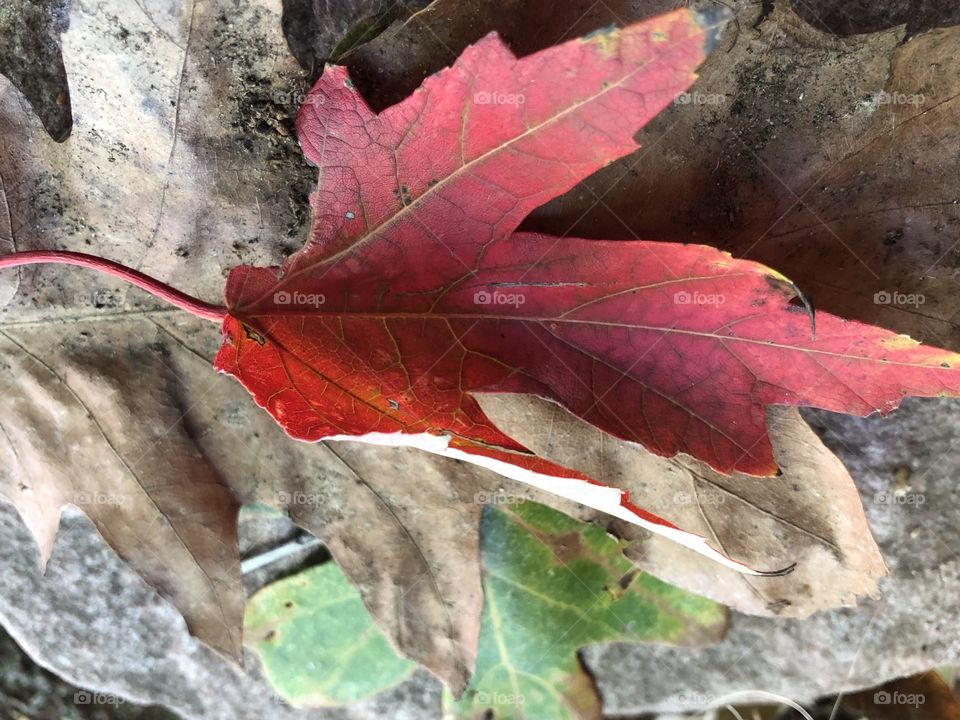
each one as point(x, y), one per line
point(552, 585)
point(317, 642)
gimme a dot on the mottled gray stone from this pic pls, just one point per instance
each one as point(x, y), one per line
point(91, 620)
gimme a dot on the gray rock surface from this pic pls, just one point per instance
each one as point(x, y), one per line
point(29, 691)
point(91, 620)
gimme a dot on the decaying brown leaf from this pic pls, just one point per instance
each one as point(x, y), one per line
point(79, 428)
point(810, 515)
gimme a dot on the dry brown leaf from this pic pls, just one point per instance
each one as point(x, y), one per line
point(810, 515)
point(80, 428)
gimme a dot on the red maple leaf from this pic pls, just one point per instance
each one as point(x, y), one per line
point(415, 292)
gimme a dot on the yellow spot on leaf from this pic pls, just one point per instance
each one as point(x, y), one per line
point(607, 42)
point(901, 342)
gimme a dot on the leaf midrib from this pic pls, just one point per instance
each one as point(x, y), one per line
point(603, 323)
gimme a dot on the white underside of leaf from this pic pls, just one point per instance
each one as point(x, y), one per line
point(599, 497)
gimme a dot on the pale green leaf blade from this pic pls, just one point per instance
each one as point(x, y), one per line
point(551, 586)
point(317, 642)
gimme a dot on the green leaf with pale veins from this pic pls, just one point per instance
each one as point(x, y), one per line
point(317, 642)
point(551, 586)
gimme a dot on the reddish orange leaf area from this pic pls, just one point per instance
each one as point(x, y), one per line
point(349, 336)
point(415, 291)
